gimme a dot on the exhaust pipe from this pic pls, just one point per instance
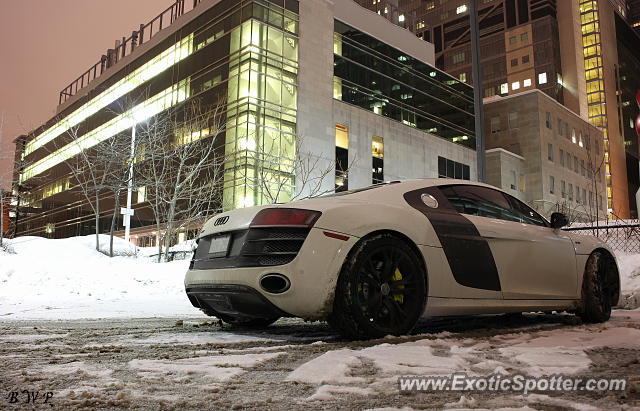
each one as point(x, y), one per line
point(275, 283)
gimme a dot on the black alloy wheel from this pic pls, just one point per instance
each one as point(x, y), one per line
point(381, 290)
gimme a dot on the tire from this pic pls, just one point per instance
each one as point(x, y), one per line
point(254, 323)
point(381, 290)
point(596, 295)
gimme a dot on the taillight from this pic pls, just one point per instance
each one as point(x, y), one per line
point(291, 217)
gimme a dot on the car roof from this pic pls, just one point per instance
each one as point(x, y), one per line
point(430, 182)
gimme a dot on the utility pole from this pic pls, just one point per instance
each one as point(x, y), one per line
point(477, 89)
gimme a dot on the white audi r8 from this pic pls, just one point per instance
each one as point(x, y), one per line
point(373, 261)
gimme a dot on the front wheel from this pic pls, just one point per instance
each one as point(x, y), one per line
point(381, 290)
point(597, 292)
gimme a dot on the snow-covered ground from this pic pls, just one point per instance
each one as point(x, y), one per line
point(68, 278)
point(122, 360)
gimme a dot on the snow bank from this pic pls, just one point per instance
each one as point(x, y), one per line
point(68, 279)
point(629, 266)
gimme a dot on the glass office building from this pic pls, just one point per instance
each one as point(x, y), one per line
point(249, 57)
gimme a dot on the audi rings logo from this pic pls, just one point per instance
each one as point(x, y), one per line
point(221, 221)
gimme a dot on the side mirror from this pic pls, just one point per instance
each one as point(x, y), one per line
point(559, 220)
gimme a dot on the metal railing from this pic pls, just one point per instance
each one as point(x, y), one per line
point(621, 237)
point(126, 46)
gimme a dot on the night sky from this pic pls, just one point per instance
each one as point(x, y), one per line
point(45, 45)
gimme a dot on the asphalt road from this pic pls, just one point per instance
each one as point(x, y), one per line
point(166, 363)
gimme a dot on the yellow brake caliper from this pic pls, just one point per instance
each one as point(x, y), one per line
point(397, 276)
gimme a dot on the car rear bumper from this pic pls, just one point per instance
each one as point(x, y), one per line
point(238, 301)
point(312, 274)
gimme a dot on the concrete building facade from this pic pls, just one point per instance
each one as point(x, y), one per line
point(546, 155)
point(329, 80)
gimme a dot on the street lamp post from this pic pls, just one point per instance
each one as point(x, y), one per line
point(128, 211)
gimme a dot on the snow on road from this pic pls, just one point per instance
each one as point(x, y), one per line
point(297, 365)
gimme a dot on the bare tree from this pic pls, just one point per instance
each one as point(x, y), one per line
point(183, 166)
point(96, 172)
point(292, 176)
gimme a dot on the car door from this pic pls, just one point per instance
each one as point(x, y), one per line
point(533, 260)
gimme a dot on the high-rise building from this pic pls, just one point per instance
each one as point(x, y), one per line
point(362, 94)
point(573, 50)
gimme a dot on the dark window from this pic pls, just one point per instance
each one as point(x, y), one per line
point(525, 59)
point(511, 13)
point(378, 170)
point(380, 78)
point(342, 162)
point(514, 62)
point(523, 11)
point(437, 37)
point(452, 169)
point(548, 120)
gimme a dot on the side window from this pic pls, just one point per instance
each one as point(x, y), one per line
point(479, 201)
point(525, 214)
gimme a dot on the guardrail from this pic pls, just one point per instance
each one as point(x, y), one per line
point(126, 46)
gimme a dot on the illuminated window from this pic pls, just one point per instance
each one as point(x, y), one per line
point(141, 75)
point(155, 105)
point(337, 88)
point(337, 44)
point(463, 77)
point(401, 18)
point(515, 85)
point(504, 88)
point(252, 179)
point(542, 78)
point(461, 9)
point(526, 83)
